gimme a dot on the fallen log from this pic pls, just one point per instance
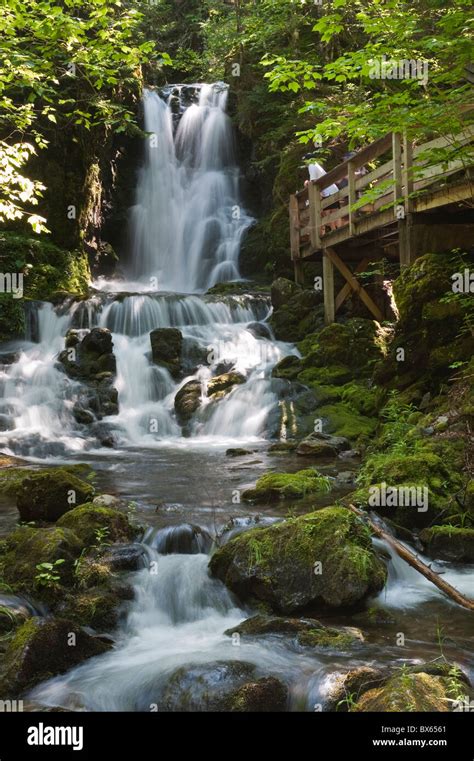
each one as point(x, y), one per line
point(415, 562)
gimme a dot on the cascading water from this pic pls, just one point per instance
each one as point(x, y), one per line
point(188, 221)
point(186, 229)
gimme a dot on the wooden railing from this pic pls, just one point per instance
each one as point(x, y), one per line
point(393, 189)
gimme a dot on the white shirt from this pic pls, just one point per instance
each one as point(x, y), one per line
point(315, 172)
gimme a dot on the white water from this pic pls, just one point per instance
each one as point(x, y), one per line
point(186, 229)
point(188, 221)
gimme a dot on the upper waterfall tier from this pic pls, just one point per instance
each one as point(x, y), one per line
point(188, 221)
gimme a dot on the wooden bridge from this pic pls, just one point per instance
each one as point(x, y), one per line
point(410, 206)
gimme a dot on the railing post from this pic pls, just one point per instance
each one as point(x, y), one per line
point(352, 196)
point(314, 196)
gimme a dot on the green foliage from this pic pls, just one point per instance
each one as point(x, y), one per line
point(48, 575)
point(63, 66)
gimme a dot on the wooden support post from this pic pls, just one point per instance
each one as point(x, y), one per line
point(314, 196)
point(294, 227)
point(407, 174)
point(328, 289)
point(405, 241)
point(352, 196)
point(299, 274)
point(397, 171)
point(354, 283)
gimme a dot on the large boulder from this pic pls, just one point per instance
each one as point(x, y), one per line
point(85, 521)
point(322, 445)
point(273, 487)
point(42, 648)
point(166, 349)
point(47, 495)
point(408, 692)
point(204, 686)
point(282, 291)
point(188, 400)
point(323, 559)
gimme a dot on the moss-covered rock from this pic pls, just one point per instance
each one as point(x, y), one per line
point(273, 487)
point(266, 695)
point(223, 384)
point(97, 607)
point(342, 420)
point(406, 693)
point(296, 312)
point(85, 521)
point(11, 478)
point(188, 400)
point(47, 269)
point(357, 344)
point(320, 559)
point(47, 495)
point(42, 648)
point(28, 547)
point(306, 631)
point(449, 543)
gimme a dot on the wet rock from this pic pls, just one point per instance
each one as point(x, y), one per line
point(273, 487)
point(14, 611)
point(85, 359)
point(350, 686)
point(449, 543)
point(7, 423)
point(266, 695)
point(288, 368)
point(282, 447)
point(97, 608)
point(107, 500)
point(224, 367)
point(166, 348)
point(322, 445)
point(185, 539)
point(224, 383)
point(87, 519)
point(204, 686)
point(193, 355)
point(306, 631)
point(81, 415)
point(259, 330)
point(47, 495)
point(188, 400)
point(238, 452)
point(328, 561)
point(124, 557)
point(41, 648)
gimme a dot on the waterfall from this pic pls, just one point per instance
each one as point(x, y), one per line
point(185, 230)
point(188, 221)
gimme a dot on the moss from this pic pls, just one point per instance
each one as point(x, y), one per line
point(356, 344)
point(277, 564)
point(96, 607)
point(449, 543)
point(341, 420)
point(27, 547)
point(12, 478)
point(85, 520)
point(12, 318)
point(48, 269)
point(330, 375)
point(46, 495)
point(328, 638)
point(279, 486)
point(267, 695)
point(406, 692)
point(363, 399)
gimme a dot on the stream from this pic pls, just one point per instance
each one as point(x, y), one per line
point(185, 233)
